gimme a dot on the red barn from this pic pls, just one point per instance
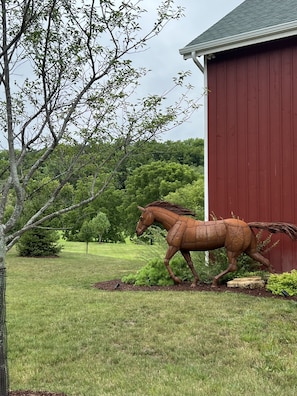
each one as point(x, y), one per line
point(250, 67)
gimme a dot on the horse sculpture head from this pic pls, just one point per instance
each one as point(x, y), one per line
point(145, 220)
point(148, 217)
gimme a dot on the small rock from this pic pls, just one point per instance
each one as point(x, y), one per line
point(252, 282)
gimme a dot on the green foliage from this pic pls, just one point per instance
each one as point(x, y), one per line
point(39, 243)
point(190, 196)
point(183, 165)
point(152, 182)
point(156, 179)
point(110, 202)
point(285, 282)
point(154, 273)
point(100, 224)
point(93, 229)
point(86, 233)
point(187, 152)
point(69, 154)
point(177, 179)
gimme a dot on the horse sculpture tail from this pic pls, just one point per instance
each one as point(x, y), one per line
point(285, 228)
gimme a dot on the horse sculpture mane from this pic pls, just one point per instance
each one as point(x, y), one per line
point(172, 207)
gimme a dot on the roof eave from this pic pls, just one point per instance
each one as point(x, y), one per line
point(240, 40)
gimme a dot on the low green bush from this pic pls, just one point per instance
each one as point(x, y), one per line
point(283, 283)
point(154, 273)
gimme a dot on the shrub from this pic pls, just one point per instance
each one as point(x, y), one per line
point(283, 283)
point(154, 273)
point(39, 243)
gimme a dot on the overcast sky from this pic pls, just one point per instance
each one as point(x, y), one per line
point(164, 60)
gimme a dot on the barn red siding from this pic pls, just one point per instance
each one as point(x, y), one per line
point(252, 108)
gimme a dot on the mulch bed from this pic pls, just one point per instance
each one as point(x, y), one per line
point(118, 286)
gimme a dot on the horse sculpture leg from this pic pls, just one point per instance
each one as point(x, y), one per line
point(261, 259)
point(188, 259)
point(169, 254)
point(232, 258)
point(232, 267)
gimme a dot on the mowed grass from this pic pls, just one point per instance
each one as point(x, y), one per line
point(65, 335)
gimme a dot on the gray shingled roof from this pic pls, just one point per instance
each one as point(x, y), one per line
point(246, 21)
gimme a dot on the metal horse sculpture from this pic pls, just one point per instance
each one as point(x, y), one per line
point(187, 234)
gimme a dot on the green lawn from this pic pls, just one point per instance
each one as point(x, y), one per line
point(65, 335)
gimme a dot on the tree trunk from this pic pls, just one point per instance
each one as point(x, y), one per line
point(3, 332)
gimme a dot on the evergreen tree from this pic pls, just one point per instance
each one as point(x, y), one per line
point(39, 243)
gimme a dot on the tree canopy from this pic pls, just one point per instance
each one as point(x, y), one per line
point(77, 87)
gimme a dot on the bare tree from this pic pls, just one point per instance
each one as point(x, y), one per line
point(67, 78)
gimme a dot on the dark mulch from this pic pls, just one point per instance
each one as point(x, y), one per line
point(117, 285)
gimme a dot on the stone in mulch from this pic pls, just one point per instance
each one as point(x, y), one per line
point(253, 282)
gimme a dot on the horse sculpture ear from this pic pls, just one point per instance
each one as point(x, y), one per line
point(141, 208)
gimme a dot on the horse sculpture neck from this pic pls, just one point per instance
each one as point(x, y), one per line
point(164, 216)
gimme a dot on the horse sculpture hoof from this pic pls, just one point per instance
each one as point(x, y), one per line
point(194, 284)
